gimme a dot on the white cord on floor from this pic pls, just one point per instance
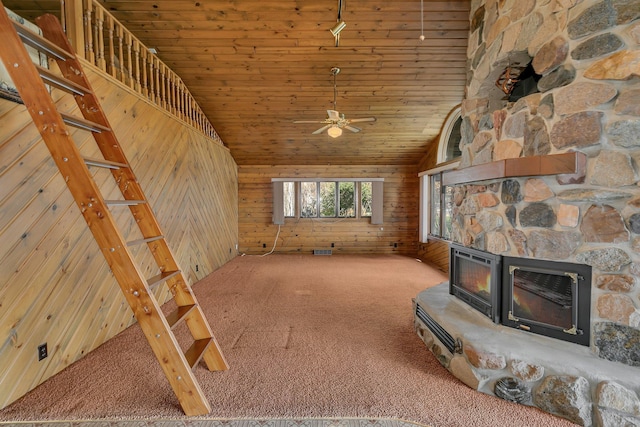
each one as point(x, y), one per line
point(275, 242)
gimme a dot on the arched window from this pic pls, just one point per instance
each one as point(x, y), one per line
point(449, 141)
point(436, 200)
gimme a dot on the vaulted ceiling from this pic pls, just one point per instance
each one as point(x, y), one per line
point(255, 66)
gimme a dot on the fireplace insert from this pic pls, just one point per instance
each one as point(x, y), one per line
point(474, 277)
point(547, 297)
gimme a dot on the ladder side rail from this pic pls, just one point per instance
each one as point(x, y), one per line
point(131, 190)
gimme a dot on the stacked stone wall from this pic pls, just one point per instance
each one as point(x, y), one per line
point(587, 54)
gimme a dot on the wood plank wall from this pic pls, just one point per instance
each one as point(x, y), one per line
point(55, 286)
point(398, 234)
point(434, 252)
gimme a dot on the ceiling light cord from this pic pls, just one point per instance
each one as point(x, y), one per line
point(335, 72)
point(421, 20)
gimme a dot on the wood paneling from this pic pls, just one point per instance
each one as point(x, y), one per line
point(55, 286)
point(435, 252)
point(398, 233)
point(255, 66)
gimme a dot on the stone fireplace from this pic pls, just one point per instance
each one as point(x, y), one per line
point(585, 56)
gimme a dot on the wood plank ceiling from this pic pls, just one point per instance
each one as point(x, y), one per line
point(255, 66)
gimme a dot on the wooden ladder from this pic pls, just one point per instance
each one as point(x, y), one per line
point(30, 80)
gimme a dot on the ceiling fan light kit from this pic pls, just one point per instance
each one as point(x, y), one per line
point(335, 122)
point(334, 131)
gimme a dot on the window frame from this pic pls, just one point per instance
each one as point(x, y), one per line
point(375, 216)
point(445, 135)
point(425, 231)
point(443, 164)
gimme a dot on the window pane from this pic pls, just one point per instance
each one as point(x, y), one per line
point(453, 142)
point(308, 199)
point(328, 199)
point(448, 212)
point(347, 200)
point(365, 199)
point(289, 197)
point(435, 205)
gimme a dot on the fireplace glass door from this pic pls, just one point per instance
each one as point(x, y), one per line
point(543, 297)
point(547, 298)
point(474, 277)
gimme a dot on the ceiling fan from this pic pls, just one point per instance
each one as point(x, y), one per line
point(335, 122)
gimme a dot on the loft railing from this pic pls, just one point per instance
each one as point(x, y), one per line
point(98, 36)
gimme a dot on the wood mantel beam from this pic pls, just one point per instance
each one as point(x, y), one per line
point(552, 164)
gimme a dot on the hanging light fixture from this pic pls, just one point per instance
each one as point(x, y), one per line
point(337, 29)
point(334, 131)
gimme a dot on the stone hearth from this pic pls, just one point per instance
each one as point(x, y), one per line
point(558, 377)
point(587, 53)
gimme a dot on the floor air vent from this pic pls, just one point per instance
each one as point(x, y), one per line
point(445, 338)
point(322, 251)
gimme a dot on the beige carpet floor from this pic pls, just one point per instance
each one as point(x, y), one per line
point(306, 337)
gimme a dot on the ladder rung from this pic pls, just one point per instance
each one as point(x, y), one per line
point(83, 124)
point(162, 277)
point(141, 241)
point(124, 202)
point(40, 43)
point(104, 163)
point(196, 351)
point(61, 82)
point(175, 317)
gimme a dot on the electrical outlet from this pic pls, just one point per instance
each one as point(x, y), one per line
point(196, 267)
point(395, 245)
point(333, 245)
point(264, 245)
point(42, 352)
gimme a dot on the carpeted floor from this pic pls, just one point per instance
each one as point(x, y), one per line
point(306, 337)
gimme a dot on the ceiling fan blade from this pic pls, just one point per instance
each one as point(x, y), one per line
point(333, 115)
point(322, 129)
point(365, 119)
point(352, 128)
point(308, 121)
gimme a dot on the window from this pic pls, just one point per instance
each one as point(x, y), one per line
point(436, 200)
point(365, 199)
point(450, 136)
point(345, 198)
point(289, 199)
point(329, 199)
point(441, 215)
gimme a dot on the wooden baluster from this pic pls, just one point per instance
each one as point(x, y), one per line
point(100, 39)
point(120, 53)
point(156, 67)
point(136, 56)
point(169, 93)
point(192, 119)
point(129, 80)
point(152, 80)
point(145, 84)
point(174, 95)
point(183, 100)
point(163, 94)
point(88, 33)
point(111, 53)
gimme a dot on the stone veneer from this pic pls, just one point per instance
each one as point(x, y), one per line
point(588, 54)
